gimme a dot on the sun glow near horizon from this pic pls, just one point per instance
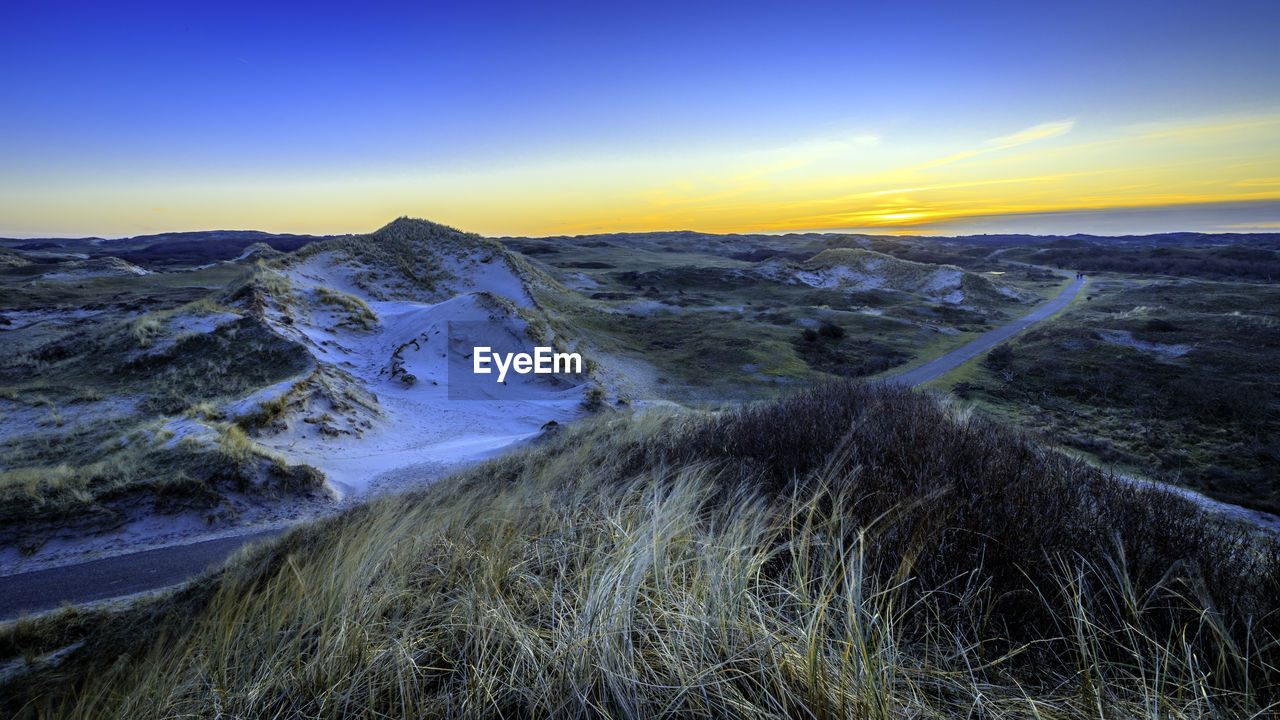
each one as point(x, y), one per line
point(811, 184)
point(1027, 172)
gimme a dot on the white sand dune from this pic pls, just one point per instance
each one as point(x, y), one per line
point(387, 405)
point(431, 409)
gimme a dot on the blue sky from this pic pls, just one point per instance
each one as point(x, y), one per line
point(538, 119)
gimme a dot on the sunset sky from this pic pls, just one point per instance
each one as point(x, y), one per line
point(540, 119)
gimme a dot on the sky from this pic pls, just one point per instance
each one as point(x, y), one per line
point(544, 119)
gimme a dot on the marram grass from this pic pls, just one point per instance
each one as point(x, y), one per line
point(644, 567)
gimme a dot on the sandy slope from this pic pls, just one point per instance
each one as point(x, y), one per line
point(448, 415)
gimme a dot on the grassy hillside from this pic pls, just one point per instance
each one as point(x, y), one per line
point(847, 552)
point(167, 251)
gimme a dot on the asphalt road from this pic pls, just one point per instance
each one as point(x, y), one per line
point(115, 576)
point(152, 569)
point(984, 342)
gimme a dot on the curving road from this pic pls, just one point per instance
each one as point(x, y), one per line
point(133, 573)
point(984, 342)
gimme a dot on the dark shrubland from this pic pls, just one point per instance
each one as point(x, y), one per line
point(828, 350)
point(1231, 262)
point(847, 552)
point(1177, 382)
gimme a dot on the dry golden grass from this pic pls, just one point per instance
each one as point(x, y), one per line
point(744, 565)
point(359, 314)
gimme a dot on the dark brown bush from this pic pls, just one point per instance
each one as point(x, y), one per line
point(960, 495)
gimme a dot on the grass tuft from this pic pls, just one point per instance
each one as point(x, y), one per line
point(847, 552)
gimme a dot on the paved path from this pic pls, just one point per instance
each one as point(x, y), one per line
point(984, 342)
point(152, 569)
point(115, 576)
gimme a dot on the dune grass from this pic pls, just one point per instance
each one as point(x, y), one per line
point(359, 314)
point(849, 552)
point(83, 404)
point(147, 467)
point(403, 258)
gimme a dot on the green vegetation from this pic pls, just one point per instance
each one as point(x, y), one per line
point(830, 350)
point(722, 317)
point(24, 288)
point(48, 490)
point(234, 359)
point(256, 286)
point(848, 552)
point(1231, 258)
point(1171, 381)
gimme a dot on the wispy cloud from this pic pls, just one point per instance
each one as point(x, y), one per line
point(1182, 131)
point(833, 182)
point(1032, 134)
point(975, 183)
point(1250, 128)
point(1043, 131)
